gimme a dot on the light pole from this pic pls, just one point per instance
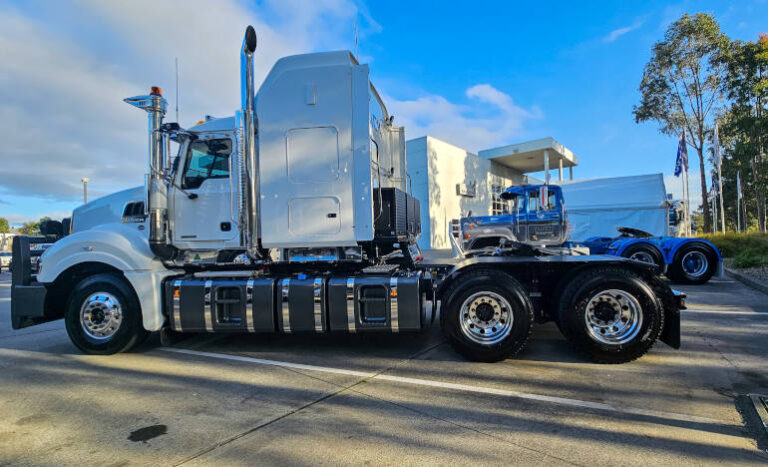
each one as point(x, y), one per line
point(85, 189)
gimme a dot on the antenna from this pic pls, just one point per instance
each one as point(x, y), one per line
point(176, 60)
point(357, 54)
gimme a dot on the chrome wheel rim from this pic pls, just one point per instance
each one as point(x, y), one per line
point(613, 317)
point(643, 256)
point(695, 263)
point(486, 318)
point(101, 315)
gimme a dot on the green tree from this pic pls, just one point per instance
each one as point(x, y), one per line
point(746, 124)
point(5, 229)
point(682, 85)
point(30, 228)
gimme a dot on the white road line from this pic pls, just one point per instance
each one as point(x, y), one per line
point(458, 387)
point(722, 312)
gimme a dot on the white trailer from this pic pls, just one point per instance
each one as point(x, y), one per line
point(596, 207)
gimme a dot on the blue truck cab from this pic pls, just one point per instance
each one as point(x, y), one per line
point(533, 214)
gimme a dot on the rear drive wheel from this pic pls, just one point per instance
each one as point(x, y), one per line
point(486, 316)
point(693, 264)
point(644, 253)
point(611, 315)
point(103, 315)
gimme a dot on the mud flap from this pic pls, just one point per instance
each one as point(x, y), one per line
point(671, 333)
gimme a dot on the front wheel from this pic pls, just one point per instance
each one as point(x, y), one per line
point(611, 315)
point(486, 316)
point(645, 254)
point(103, 315)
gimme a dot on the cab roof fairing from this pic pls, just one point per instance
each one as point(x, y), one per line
point(282, 65)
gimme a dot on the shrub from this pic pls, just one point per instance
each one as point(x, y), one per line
point(731, 244)
point(748, 259)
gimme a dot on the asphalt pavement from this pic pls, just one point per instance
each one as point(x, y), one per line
point(388, 399)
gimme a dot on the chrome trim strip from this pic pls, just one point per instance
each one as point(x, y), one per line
point(318, 294)
point(249, 318)
point(286, 305)
point(393, 318)
point(351, 305)
point(208, 307)
point(176, 291)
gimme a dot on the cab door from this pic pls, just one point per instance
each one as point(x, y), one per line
point(203, 215)
point(544, 219)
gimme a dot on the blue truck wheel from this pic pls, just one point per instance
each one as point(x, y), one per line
point(694, 264)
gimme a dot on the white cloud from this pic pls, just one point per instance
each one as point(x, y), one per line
point(66, 71)
point(64, 77)
point(616, 33)
point(490, 118)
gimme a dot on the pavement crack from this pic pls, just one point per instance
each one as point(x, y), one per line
point(266, 424)
point(310, 404)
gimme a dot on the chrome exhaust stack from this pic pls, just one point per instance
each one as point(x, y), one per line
point(157, 197)
point(248, 163)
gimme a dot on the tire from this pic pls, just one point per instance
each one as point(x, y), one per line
point(103, 316)
point(693, 264)
point(644, 253)
point(610, 315)
point(486, 316)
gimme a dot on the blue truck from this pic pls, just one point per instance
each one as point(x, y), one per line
point(537, 214)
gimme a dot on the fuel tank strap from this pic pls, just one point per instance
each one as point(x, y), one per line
point(286, 305)
point(351, 305)
point(208, 306)
point(249, 306)
point(318, 304)
point(177, 306)
point(393, 311)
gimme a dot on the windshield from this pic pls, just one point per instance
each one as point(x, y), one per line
point(516, 204)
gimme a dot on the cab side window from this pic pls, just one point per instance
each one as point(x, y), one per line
point(206, 159)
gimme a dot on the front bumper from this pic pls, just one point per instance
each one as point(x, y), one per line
point(27, 295)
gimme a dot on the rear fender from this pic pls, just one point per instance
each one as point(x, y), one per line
point(671, 245)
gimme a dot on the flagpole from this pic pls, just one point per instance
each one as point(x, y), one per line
point(688, 229)
point(738, 202)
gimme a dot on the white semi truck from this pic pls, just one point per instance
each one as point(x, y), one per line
point(295, 216)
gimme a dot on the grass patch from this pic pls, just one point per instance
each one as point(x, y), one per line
point(747, 250)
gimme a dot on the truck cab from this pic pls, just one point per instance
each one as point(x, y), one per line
point(533, 214)
point(294, 216)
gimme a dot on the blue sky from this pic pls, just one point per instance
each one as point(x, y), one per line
point(475, 74)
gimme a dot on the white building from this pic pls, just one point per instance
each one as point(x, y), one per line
point(451, 181)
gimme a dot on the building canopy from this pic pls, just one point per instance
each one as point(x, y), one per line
point(530, 156)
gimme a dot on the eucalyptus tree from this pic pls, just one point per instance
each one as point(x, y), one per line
point(746, 85)
point(682, 87)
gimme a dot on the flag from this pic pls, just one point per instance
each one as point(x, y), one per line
point(717, 158)
point(682, 156)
